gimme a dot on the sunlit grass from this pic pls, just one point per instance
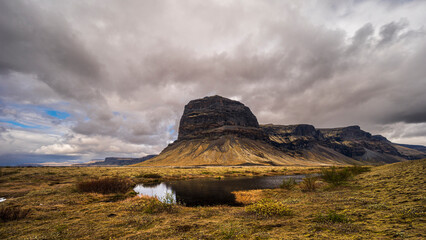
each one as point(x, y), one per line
point(269, 208)
point(385, 203)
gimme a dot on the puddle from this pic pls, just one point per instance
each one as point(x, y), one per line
point(205, 192)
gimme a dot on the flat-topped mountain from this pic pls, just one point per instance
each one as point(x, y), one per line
point(219, 131)
point(345, 133)
point(216, 116)
point(115, 161)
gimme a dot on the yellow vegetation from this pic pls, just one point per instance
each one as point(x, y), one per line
point(386, 203)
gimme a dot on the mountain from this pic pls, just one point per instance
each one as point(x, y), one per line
point(115, 161)
point(411, 152)
point(220, 131)
point(350, 141)
point(419, 148)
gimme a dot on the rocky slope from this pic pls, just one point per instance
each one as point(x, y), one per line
point(350, 141)
point(219, 131)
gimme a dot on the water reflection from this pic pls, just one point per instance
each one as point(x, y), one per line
point(201, 192)
point(161, 191)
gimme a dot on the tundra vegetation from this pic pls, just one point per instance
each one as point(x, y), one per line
point(386, 202)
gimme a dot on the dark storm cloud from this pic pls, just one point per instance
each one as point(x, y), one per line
point(390, 31)
point(126, 70)
point(415, 116)
point(40, 42)
point(361, 38)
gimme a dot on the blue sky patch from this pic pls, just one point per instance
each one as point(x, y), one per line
point(18, 124)
point(57, 114)
point(171, 129)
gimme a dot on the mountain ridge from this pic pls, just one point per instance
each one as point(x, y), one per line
point(115, 161)
point(219, 131)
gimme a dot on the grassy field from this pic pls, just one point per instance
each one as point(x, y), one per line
point(387, 202)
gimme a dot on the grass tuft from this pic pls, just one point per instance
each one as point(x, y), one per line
point(106, 185)
point(247, 197)
point(288, 183)
point(331, 217)
point(309, 184)
point(9, 213)
point(232, 231)
point(269, 208)
point(151, 205)
point(338, 177)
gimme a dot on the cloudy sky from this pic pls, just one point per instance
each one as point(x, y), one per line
point(89, 79)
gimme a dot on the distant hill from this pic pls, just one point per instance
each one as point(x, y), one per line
point(415, 147)
point(220, 131)
point(115, 161)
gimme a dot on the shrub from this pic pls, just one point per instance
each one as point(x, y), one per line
point(309, 184)
point(269, 208)
point(288, 183)
point(10, 213)
point(106, 185)
point(336, 177)
point(331, 217)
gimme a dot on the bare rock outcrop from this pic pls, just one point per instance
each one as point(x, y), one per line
point(213, 117)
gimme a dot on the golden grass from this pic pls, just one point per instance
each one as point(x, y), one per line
point(269, 208)
point(386, 203)
point(247, 197)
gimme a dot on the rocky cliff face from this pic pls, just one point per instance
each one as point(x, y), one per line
point(356, 143)
point(350, 141)
point(216, 116)
point(219, 131)
point(345, 133)
point(292, 137)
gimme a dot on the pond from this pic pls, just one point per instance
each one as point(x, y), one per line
point(205, 192)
